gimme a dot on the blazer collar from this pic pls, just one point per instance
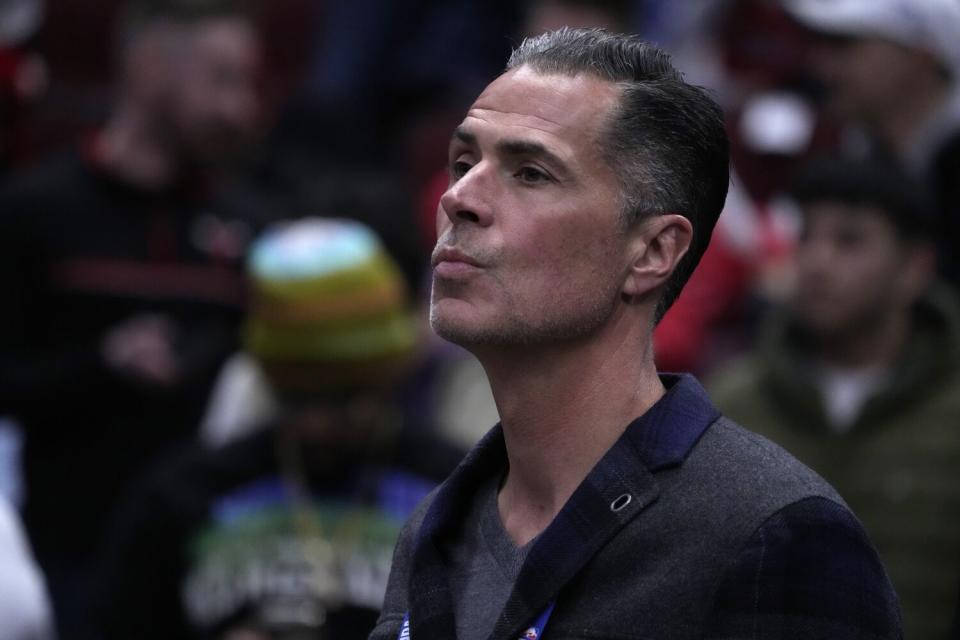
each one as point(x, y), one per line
point(618, 488)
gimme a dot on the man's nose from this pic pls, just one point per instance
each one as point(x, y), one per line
point(241, 109)
point(815, 258)
point(467, 200)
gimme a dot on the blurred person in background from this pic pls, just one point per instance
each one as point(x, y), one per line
point(25, 612)
point(890, 68)
point(754, 53)
point(859, 377)
point(121, 269)
point(288, 531)
point(23, 76)
point(23, 79)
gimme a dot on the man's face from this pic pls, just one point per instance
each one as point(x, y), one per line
point(212, 108)
point(852, 270)
point(531, 245)
point(863, 77)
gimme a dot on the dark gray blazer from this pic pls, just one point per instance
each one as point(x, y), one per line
point(725, 535)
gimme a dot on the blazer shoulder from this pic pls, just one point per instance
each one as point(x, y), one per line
point(810, 565)
point(758, 469)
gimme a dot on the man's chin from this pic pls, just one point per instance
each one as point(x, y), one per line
point(447, 328)
point(832, 328)
point(461, 330)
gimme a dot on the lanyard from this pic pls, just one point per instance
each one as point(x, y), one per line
point(533, 632)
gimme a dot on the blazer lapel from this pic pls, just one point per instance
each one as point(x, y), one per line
point(431, 605)
point(618, 489)
point(602, 505)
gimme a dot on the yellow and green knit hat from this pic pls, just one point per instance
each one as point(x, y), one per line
point(329, 307)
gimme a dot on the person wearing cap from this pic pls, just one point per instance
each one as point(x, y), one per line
point(287, 532)
point(892, 69)
point(611, 501)
point(859, 376)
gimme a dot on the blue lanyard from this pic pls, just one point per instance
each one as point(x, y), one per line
point(533, 632)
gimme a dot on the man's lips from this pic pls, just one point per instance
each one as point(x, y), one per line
point(452, 254)
point(450, 262)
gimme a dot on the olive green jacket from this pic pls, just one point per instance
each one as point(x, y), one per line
point(898, 467)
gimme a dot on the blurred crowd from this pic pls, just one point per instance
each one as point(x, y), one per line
point(219, 395)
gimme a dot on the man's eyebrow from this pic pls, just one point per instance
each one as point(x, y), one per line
point(465, 136)
point(514, 148)
point(527, 148)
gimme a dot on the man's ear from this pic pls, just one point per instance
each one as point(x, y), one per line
point(657, 244)
point(917, 273)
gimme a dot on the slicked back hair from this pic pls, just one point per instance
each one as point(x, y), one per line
point(666, 140)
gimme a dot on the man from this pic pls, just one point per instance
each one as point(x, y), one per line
point(859, 377)
point(890, 69)
point(288, 530)
point(609, 502)
point(121, 272)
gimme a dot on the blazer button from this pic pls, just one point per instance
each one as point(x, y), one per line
point(621, 502)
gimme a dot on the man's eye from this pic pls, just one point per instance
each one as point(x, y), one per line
point(459, 169)
point(532, 175)
point(849, 239)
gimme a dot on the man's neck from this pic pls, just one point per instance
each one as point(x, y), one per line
point(561, 409)
point(130, 150)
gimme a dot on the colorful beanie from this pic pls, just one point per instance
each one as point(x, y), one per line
point(329, 307)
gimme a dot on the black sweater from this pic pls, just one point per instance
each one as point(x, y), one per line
point(81, 252)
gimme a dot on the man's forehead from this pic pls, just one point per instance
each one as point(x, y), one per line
point(551, 103)
point(844, 215)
